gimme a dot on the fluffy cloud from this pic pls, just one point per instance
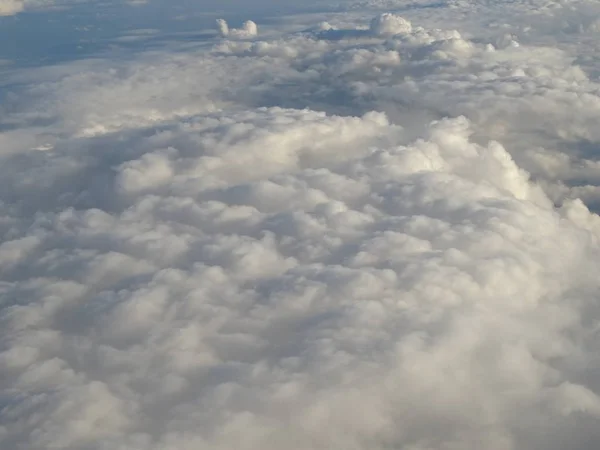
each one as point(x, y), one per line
point(249, 29)
point(254, 276)
point(389, 25)
point(509, 90)
point(310, 240)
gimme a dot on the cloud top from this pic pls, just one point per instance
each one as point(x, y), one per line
point(388, 24)
point(249, 29)
point(253, 275)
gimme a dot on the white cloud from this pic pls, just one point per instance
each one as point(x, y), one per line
point(389, 25)
point(308, 240)
point(285, 269)
point(249, 29)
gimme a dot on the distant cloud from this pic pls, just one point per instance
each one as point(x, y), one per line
point(389, 25)
point(249, 29)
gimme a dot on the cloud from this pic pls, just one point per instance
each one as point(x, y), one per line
point(389, 25)
point(249, 29)
point(509, 90)
point(283, 267)
point(323, 239)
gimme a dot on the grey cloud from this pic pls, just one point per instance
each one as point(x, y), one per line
point(225, 306)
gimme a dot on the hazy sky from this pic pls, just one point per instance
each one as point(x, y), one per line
point(336, 225)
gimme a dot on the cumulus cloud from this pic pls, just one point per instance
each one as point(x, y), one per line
point(509, 90)
point(323, 239)
point(261, 273)
point(249, 29)
point(389, 25)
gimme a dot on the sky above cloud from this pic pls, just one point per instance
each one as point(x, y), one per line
point(332, 225)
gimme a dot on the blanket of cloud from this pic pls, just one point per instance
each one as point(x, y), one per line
point(348, 230)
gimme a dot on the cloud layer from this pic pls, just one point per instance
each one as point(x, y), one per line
point(253, 277)
point(319, 239)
